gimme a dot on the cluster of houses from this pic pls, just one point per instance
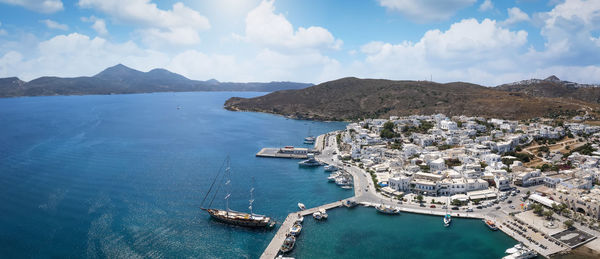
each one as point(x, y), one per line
point(468, 158)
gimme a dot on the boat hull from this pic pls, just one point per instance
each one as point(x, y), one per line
point(241, 219)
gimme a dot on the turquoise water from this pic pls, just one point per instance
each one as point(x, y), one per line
point(363, 233)
point(123, 176)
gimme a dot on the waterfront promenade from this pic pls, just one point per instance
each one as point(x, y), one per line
point(365, 194)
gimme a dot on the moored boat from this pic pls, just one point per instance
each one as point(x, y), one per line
point(296, 229)
point(519, 251)
point(301, 206)
point(317, 215)
point(490, 224)
point(288, 244)
point(387, 209)
point(310, 162)
point(330, 168)
point(235, 217)
point(323, 213)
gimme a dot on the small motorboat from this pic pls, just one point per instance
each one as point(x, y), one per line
point(317, 215)
point(301, 206)
point(288, 244)
point(296, 229)
point(385, 209)
point(490, 224)
point(330, 168)
point(447, 220)
point(323, 213)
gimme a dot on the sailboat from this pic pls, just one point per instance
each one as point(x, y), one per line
point(447, 217)
point(310, 139)
point(234, 217)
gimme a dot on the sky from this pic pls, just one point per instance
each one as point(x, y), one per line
point(487, 42)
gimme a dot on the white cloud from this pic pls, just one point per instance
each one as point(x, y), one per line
point(266, 28)
point(426, 10)
point(99, 25)
point(69, 55)
point(157, 25)
point(55, 25)
point(42, 6)
point(568, 29)
point(469, 51)
point(486, 5)
point(515, 15)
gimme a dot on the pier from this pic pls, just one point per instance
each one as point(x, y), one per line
point(285, 152)
point(273, 248)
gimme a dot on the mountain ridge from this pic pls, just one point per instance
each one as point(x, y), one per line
point(352, 98)
point(120, 79)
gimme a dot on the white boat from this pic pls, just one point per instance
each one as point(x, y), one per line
point(330, 168)
point(333, 176)
point(317, 215)
point(296, 229)
point(288, 244)
point(323, 213)
point(447, 220)
point(301, 206)
point(519, 251)
point(347, 187)
point(387, 209)
point(300, 220)
point(310, 162)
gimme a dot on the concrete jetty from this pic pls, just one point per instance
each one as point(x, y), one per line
point(284, 152)
point(273, 248)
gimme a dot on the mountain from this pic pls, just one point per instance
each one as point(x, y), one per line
point(554, 87)
point(121, 79)
point(353, 98)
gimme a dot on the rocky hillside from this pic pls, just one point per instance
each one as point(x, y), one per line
point(554, 87)
point(353, 98)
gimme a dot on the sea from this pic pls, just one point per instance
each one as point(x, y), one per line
point(124, 176)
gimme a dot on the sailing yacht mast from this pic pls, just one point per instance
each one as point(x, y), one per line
point(228, 173)
point(251, 197)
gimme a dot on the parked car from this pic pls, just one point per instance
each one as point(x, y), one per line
point(509, 201)
point(469, 209)
point(454, 208)
point(421, 205)
point(498, 207)
point(512, 207)
point(432, 206)
point(444, 207)
point(479, 207)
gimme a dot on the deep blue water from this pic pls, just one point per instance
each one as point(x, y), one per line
point(123, 175)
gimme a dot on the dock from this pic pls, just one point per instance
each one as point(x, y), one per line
point(508, 226)
point(273, 248)
point(285, 152)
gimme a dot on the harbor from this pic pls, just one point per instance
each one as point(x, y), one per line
point(366, 195)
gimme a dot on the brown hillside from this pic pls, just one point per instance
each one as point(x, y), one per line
point(353, 98)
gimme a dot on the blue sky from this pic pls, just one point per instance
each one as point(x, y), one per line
point(481, 41)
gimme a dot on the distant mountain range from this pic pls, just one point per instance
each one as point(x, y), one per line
point(120, 79)
point(353, 98)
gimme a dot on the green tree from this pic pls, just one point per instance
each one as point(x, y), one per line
point(538, 209)
point(569, 224)
point(548, 214)
point(420, 198)
point(456, 202)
